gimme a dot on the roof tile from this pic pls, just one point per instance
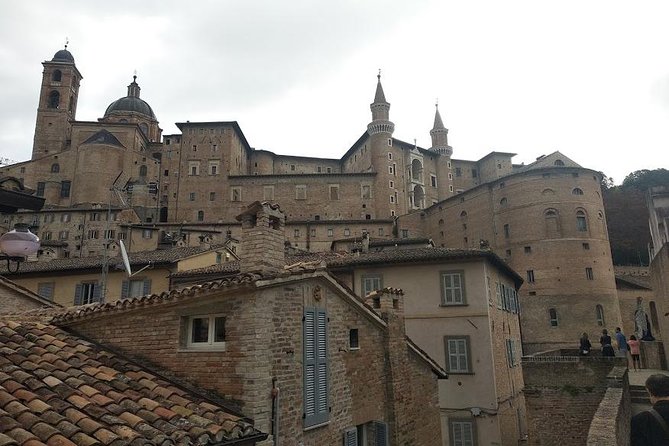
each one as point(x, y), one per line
point(59, 440)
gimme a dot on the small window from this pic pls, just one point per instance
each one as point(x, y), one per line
point(206, 331)
point(54, 99)
point(347, 232)
point(142, 171)
point(474, 173)
point(599, 314)
point(458, 355)
point(40, 189)
point(458, 172)
point(55, 168)
point(330, 232)
point(558, 163)
point(292, 167)
point(353, 342)
point(405, 233)
point(503, 202)
point(528, 249)
point(191, 196)
point(366, 191)
point(392, 199)
point(553, 317)
point(577, 191)
point(236, 193)
point(297, 233)
point(453, 288)
point(507, 231)
point(433, 180)
point(530, 276)
point(65, 189)
point(212, 196)
point(147, 233)
point(390, 156)
point(581, 221)
point(45, 290)
point(586, 246)
point(200, 215)
point(65, 217)
point(86, 293)
point(371, 283)
point(589, 274)
point(56, 76)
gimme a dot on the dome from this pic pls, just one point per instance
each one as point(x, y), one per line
point(63, 56)
point(130, 104)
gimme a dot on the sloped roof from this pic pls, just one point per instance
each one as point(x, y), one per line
point(25, 293)
point(160, 256)
point(550, 160)
point(59, 390)
point(103, 137)
point(638, 282)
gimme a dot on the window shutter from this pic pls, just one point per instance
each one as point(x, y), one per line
point(147, 287)
point(351, 437)
point(381, 433)
point(78, 294)
point(315, 381)
point(125, 289)
point(96, 292)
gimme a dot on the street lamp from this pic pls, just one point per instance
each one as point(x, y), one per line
point(18, 244)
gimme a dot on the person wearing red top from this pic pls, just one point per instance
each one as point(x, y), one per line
point(634, 351)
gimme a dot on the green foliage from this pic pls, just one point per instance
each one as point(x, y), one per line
point(644, 179)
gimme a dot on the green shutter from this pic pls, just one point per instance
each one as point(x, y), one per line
point(96, 292)
point(381, 433)
point(351, 437)
point(125, 289)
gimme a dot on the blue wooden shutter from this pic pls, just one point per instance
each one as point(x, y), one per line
point(147, 287)
point(78, 298)
point(315, 380)
point(125, 288)
point(381, 433)
point(96, 292)
point(351, 437)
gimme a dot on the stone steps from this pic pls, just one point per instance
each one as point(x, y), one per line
point(639, 395)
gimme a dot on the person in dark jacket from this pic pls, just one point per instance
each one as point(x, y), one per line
point(585, 345)
point(607, 347)
point(649, 429)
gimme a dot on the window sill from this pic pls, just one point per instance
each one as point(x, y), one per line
point(316, 426)
point(460, 373)
point(204, 349)
point(453, 305)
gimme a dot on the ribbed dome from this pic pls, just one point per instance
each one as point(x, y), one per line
point(130, 104)
point(63, 56)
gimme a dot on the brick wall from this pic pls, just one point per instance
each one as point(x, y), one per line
point(611, 423)
point(13, 302)
point(562, 394)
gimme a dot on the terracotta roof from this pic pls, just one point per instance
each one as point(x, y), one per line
point(72, 313)
point(58, 390)
point(162, 256)
point(422, 255)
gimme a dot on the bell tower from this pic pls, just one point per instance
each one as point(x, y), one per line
point(57, 104)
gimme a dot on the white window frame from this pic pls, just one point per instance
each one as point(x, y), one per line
point(210, 344)
point(467, 426)
point(370, 282)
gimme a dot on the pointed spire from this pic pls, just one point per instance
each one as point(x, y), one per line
point(379, 97)
point(438, 123)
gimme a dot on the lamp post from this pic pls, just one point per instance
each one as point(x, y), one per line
point(18, 244)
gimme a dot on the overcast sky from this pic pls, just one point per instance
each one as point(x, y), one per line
point(589, 78)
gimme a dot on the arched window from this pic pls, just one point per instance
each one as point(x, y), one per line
point(503, 202)
point(441, 222)
point(55, 168)
point(463, 214)
point(599, 314)
point(552, 221)
point(417, 171)
point(144, 128)
point(581, 221)
point(54, 99)
point(548, 192)
point(558, 163)
point(56, 76)
point(553, 317)
point(142, 171)
point(418, 197)
point(200, 215)
point(577, 191)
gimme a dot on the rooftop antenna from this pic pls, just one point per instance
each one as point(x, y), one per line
point(114, 190)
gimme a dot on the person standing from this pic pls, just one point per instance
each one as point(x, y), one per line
point(585, 347)
point(607, 347)
point(649, 428)
point(635, 352)
point(622, 342)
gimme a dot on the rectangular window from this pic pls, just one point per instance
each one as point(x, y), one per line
point(194, 168)
point(353, 342)
point(390, 156)
point(65, 218)
point(93, 233)
point(297, 233)
point(122, 235)
point(586, 246)
point(347, 232)
point(366, 191)
point(206, 331)
point(135, 288)
point(328, 170)
point(474, 173)
point(45, 290)
point(268, 193)
point(453, 288)
point(461, 433)
point(507, 231)
point(301, 192)
point(191, 196)
point(405, 233)
point(334, 192)
point(46, 235)
point(392, 199)
point(371, 283)
point(458, 172)
point(581, 223)
point(330, 232)
point(319, 169)
point(213, 167)
point(433, 180)
point(109, 234)
point(528, 249)
point(65, 189)
point(86, 293)
point(63, 235)
point(458, 355)
point(315, 374)
point(40, 189)
point(391, 184)
point(312, 232)
point(530, 276)
point(212, 196)
point(236, 193)
point(292, 167)
point(147, 233)
point(588, 274)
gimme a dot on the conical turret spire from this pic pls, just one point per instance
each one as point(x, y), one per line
point(380, 111)
point(439, 134)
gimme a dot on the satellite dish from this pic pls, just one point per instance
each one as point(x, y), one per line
point(126, 261)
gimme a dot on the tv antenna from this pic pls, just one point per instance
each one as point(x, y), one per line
point(114, 190)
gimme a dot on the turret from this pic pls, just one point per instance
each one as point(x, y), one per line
point(439, 135)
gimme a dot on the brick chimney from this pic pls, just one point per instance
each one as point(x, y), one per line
point(263, 236)
point(389, 303)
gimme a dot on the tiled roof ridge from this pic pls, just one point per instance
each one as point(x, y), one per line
point(58, 389)
point(26, 292)
point(244, 279)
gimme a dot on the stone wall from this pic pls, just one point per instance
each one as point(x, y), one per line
point(562, 395)
point(611, 423)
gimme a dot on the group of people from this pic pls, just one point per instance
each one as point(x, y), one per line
point(625, 346)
